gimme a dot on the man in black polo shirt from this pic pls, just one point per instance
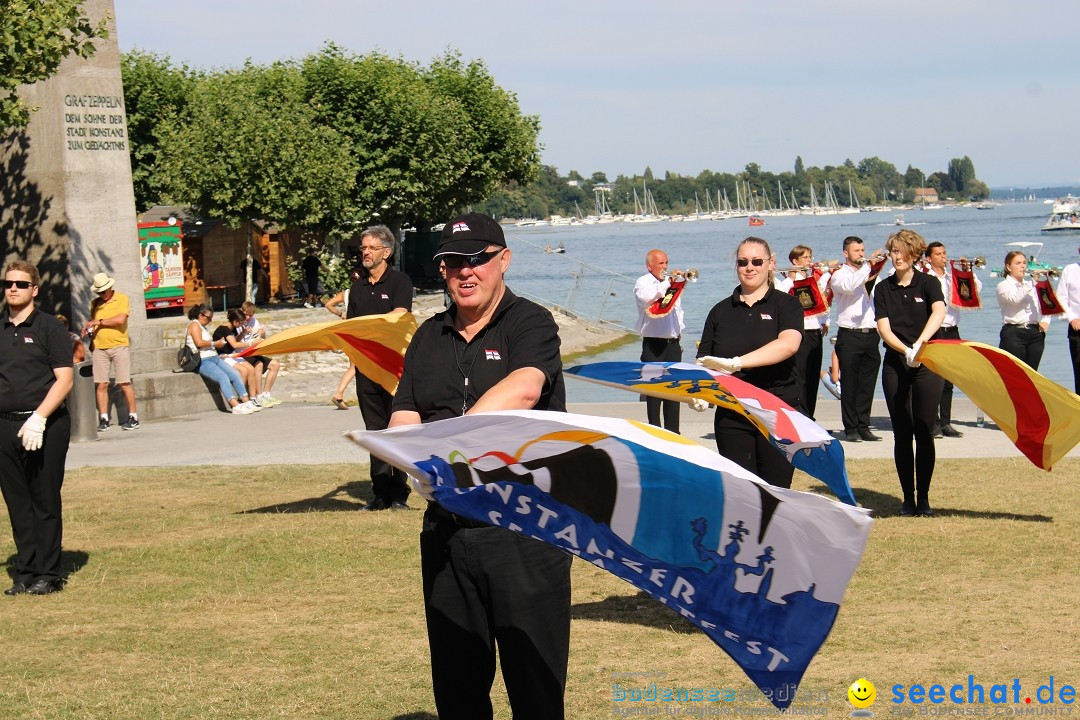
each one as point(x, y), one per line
point(35, 378)
point(486, 586)
point(383, 290)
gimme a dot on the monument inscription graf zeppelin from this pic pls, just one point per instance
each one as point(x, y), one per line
point(72, 207)
point(95, 122)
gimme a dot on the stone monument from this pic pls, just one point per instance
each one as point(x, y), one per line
point(66, 199)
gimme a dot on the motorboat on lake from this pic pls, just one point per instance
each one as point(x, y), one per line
point(1065, 215)
point(1031, 249)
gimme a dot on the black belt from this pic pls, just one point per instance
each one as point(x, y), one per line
point(22, 415)
point(1028, 325)
point(865, 331)
point(438, 512)
point(669, 341)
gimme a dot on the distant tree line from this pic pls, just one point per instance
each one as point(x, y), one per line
point(873, 181)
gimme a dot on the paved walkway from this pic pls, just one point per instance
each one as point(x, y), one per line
point(310, 433)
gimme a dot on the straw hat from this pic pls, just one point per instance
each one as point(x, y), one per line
point(102, 282)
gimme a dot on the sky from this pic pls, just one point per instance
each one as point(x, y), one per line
point(681, 86)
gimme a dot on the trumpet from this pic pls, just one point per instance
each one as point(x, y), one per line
point(1050, 273)
point(978, 262)
point(878, 256)
point(690, 275)
point(823, 265)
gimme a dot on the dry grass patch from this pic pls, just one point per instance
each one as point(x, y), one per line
point(262, 592)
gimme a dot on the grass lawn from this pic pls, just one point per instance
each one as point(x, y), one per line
point(232, 592)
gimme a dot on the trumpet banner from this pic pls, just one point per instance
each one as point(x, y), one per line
point(761, 570)
point(805, 444)
point(1038, 415)
point(666, 304)
point(375, 344)
point(963, 292)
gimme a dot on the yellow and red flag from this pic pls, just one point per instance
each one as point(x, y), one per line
point(1039, 416)
point(375, 344)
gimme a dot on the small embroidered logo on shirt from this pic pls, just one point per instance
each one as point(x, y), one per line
point(766, 316)
point(385, 296)
point(492, 355)
point(28, 340)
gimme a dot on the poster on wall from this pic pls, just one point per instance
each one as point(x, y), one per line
point(162, 262)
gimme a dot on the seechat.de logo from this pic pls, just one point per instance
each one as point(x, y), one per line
point(862, 695)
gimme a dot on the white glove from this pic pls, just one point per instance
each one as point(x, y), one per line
point(700, 404)
point(423, 486)
point(910, 356)
point(33, 432)
point(731, 365)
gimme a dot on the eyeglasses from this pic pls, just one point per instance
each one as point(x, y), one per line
point(455, 262)
point(21, 284)
point(373, 248)
point(743, 262)
point(208, 317)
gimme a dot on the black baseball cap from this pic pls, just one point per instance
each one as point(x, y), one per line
point(470, 234)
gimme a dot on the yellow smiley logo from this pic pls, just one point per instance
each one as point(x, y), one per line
point(862, 693)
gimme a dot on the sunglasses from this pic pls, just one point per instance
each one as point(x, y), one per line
point(21, 284)
point(743, 262)
point(455, 262)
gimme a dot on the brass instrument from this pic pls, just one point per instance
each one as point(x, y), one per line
point(690, 275)
point(878, 255)
point(978, 262)
point(829, 265)
point(1051, 273)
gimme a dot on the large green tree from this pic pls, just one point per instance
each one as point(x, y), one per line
point(428, 141)
point(251, 148)
point(154, 92)
point(35, 37)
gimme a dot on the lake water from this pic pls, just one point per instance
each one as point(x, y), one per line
point(596, 274)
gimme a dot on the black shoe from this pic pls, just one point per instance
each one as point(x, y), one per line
point(908, 509)
point(936, 432)
point(377, 504)
point(102, 425)
point(852, 436)
point(132, 423)
point(398, 505)
point(868, 436)
point(950, 431)
point(925, 510)
point(17, 589)
point(45, 587)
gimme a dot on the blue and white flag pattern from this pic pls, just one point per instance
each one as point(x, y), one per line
point(806, 445)
point(761, 570)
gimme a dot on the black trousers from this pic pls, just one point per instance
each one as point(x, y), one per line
point(31, 483)
point(387, 482)
point(859, 359)
point(1025, 342)
point(739, 441)
point(488, 588)
point(808, 369)
point(945, 406)
point(1074, 352)
point(662, 350)
point(912, 396)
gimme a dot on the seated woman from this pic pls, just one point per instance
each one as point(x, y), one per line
point(211, 366)
point(232, 344)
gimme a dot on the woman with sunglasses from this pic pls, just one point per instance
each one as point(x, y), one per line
point(909, 307)
point(211, 366)
point(754, 335)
